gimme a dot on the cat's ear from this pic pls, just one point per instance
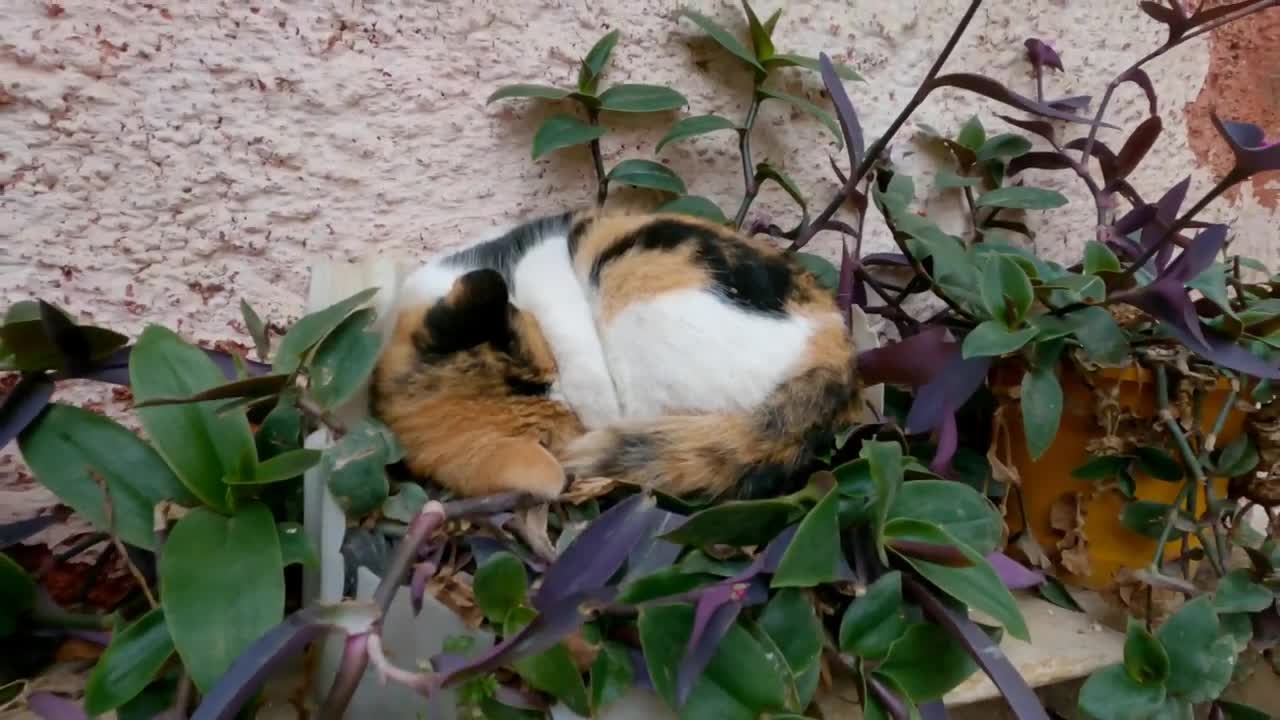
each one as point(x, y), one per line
point(476, 310)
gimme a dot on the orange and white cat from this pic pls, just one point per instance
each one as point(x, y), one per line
point(654, 349)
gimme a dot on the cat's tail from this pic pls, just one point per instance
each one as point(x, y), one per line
point(751, 453)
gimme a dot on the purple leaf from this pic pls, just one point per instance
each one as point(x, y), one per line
point(1139, 77)
point(897, 259)
point(1136, 148)
point(845, 113)
point(1198, 256)
point(1177, 22)
point(1248, 144)
point(912, 361)
point(48, 706)
point(1042, 55)
point(896, 707)
point(653, 553)
point(1013, 574)
point(772, 555)
point(845, 290)
point(947, 392)
point(1166, 213)
point(1135, 219)
point(1039, 127)
point(948, 440)
point(1040, 160)
point(1103, 154)
point(23, 405)
point(547, 628)
point(717, 609)
point(984, 651)
point(1208, 15)
point(1224, 351)
point(422, 572)
point(945, 555)
point(1072, 104)
point(983, 85)
point(268, 653)
point(598, 552)
point(639, 669)
point(933, 710)
point(520, 699)
point(70, 339)
point(1167, 301)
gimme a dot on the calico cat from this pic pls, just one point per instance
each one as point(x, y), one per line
point(653, 349)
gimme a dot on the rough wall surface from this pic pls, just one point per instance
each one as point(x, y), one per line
point(159, 161)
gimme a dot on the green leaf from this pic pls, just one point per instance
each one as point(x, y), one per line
point(405, 505)
point(26, 346)
point(1102, 467)
point(663, 583)
point(551, 671)
point(723, 37)
point(1004, 146)
point(257, 330)
point(313, 328)
point(635, 98)
point(647, 174)
point(696, 206)
point(597, 57)
point(821, 268)
point(221, 586)
point(927, 663)
point(17, 595)
point(295, 548)
point(1238, 627)
point(810, 63)
point(790, 621)
point(344, 360)
point(285, 466)
point(873, 622)
point(1239, 458)
point(857, 493)
point(696, 125)
point(1006, 290)
point(1110, 694)
point(884, 460)
point(1055, 592)
point(281, 429)
point(70, 449)
point(201, 446)
point(760, 37)
point(812, 557)
point(1099, 258)
point(992, 338)
point(1042, 415)
point(1145, 660)
point(961, 510)
point(737, 522)
point(947, 179)
point(1147, 518)
point(500, 585)
point(134, 657)
point(977, 586)
point(356, 465)
point(1238, 593)
point(766, 171)
point(521, 90)
point(1200, 659)
point(611, 676)
point(739, 681)
point(1021, 198)
point(561, 131)
point(972, 135)
point(1158, 464)
point(1213, 284)
point(805, 106)
point(1099, 335)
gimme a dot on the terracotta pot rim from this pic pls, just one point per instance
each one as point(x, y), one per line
point(1133, 373)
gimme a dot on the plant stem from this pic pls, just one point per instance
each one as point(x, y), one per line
point(316, 413)
point(873, 153)
point(602, 180)
point(749, 183)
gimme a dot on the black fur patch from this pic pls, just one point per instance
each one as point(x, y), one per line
point(527, 387)
point(742, 274)
point(576, 232)
point(503, 252)
point(478, 314)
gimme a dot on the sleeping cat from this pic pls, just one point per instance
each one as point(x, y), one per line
point(653, 349)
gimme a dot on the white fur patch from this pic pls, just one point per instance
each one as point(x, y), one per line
point(690, 351)
point(547, 287)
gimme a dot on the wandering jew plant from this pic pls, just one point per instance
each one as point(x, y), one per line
point(737, 609)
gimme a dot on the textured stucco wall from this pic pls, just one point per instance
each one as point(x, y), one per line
point(160, 160)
